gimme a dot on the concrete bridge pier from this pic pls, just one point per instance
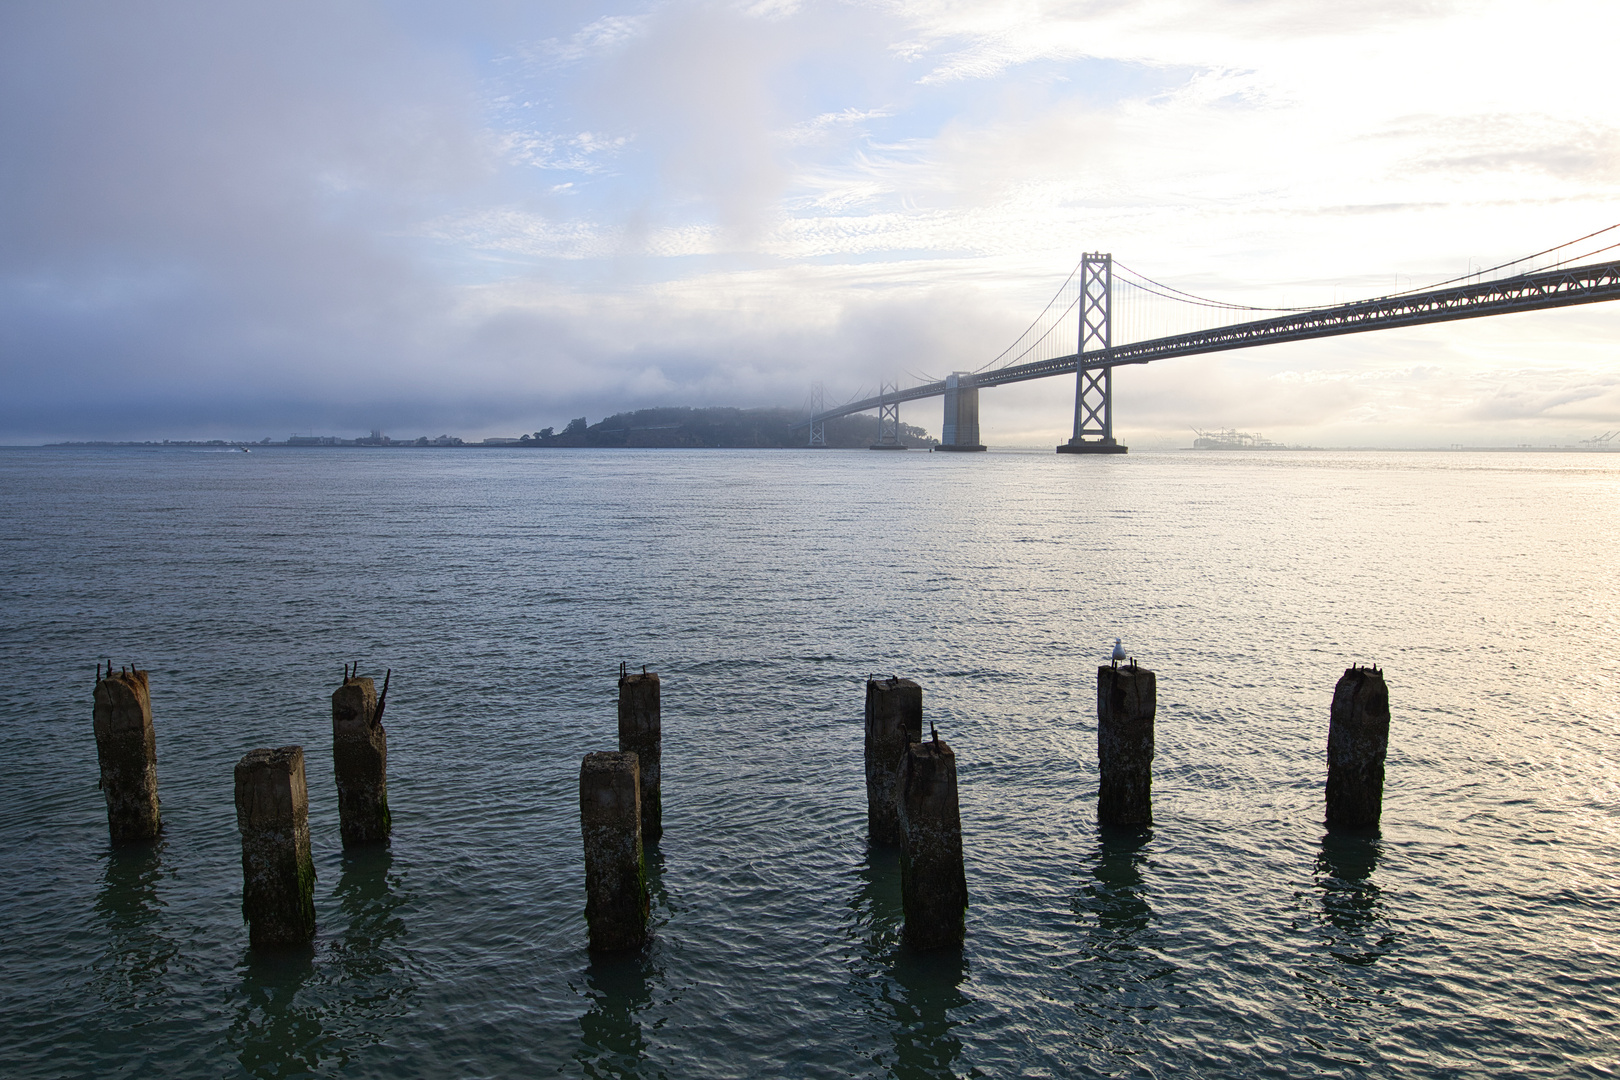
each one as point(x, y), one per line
point(1093, 415)
point(960, 431)
point(1358, 741)
point(127, 748)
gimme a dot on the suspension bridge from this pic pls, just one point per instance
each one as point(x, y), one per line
point(1100, 289)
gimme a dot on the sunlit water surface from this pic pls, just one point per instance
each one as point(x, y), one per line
point(1475, 936)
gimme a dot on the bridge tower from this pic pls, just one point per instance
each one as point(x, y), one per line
point(961, 428)
point(1094, 387)
point(818, 429)
point(889, 421)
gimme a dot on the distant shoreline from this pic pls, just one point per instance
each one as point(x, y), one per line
point(682, 427)
point(505, 444)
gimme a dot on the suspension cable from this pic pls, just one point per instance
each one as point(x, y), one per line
point(1588, 255)
point(1055, 298)
point(1526, 258)
point(1147, 284)
point(1032, 345)
point(1186, 297)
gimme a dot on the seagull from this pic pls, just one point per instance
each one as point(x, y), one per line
point(1118, 653)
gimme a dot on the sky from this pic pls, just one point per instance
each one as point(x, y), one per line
point(250, 220)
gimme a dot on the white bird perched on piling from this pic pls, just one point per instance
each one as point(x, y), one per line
point(1119, 652)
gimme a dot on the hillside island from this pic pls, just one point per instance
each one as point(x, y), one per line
point(675, 427)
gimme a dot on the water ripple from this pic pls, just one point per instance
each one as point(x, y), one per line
point(1476, 933)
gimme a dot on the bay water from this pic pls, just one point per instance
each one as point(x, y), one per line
point(1475, 934)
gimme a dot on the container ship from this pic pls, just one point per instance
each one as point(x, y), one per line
point(1233, 440)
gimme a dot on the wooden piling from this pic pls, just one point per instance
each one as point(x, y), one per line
point(933, 883)
point(616, 901)
point(1358, 742)
point(360, 760)
point(641, 733)
point(1126, 702)
point(126, 746)
point(278, 874)
point(893, 722)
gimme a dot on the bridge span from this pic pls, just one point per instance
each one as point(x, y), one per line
point(1093, 362)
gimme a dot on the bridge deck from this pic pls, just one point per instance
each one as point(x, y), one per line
point(1527, 292)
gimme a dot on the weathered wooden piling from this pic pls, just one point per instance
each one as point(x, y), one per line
point(616, 902)
point(1126, 701)
point(893, 722)
point(360, 759)
point(278, 874)
point(933, 884)
point(641, 733)
point(1358, 740)
point(127, 748)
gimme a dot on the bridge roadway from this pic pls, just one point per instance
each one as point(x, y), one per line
point(1587, 284)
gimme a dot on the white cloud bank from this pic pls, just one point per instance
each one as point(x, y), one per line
point(224, 220)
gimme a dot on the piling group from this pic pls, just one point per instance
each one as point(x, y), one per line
point(621, 811)
point(272, 813)
point(1358, 742)
point(911, 793)
point(911, 804)
point(272, 796)
point(911, 797)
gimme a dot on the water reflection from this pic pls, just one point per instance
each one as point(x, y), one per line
point(1119, 972)
point(1115, 901)
point(910, 995)
point(620, 987)
point(370, 902)
point(274, 1033)
point(611, 1039)
point(875, 906)
point(138, 953)
point(925, 988)
point(654, 860)
point(298, 1010)
point(1353, 919)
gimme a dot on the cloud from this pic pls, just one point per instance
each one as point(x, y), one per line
point(603, 36)
point(584, 152)
point(817, 128)
point(1579, 150)
point(498, 216)
point(1543, 395)
point(211, 200)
